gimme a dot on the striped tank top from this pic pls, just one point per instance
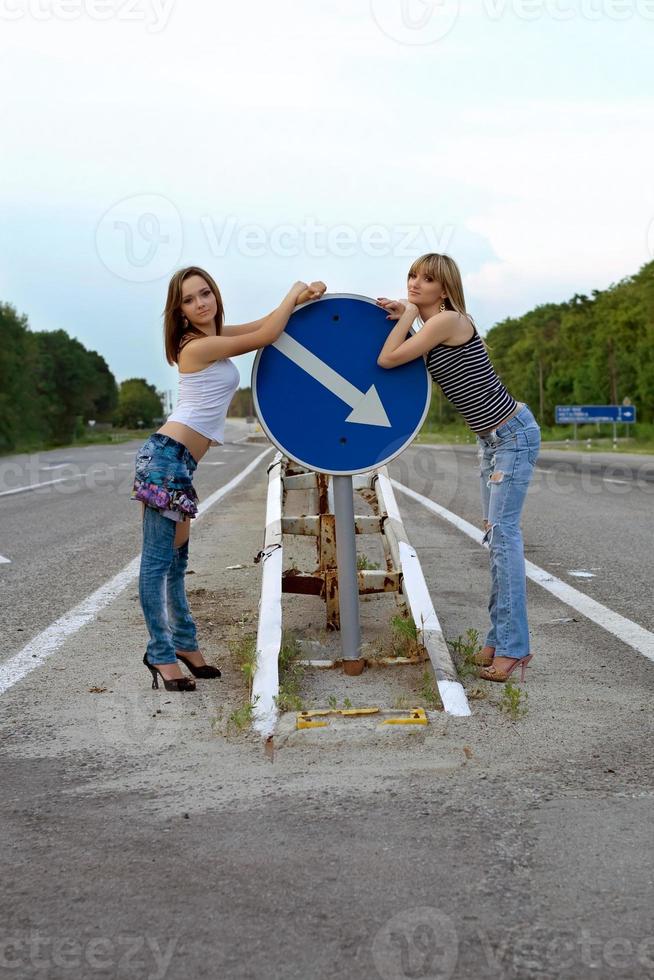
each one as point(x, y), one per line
point(469, 381)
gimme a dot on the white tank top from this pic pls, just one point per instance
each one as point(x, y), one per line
point(203, 399)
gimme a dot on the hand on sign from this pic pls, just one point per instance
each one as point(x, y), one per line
point(313, 291)
point(298, 289)
point(394, 308)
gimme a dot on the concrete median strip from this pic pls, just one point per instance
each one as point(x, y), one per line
point(624, 629)
point(42, 646)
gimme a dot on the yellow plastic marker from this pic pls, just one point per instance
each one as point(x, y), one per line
point(306, 723)
point(417, 716)
point(349, 712)
point(304, 719)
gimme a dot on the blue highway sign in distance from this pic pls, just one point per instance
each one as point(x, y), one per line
point(570, 414)
point(321, 397)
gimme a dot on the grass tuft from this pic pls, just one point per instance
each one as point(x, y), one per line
point(364, 564)
point(513, 701)
point(291, 673)
point(245, 653)
point(242, 717)
point(430, 693)
point(465, 649)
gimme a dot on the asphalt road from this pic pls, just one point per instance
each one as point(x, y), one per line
point(64, 539)
point(587, 519)
point(138, 842)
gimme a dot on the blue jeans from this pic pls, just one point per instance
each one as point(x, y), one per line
point(507, 456)
point(162, 592)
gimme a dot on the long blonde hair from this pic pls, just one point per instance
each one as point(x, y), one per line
point(175, 332)
point(445, 270)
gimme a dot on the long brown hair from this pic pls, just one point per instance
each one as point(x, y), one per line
point(175, 331)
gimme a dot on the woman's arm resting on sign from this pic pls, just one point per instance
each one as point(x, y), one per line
point(394, 307)
point(400, 348)
point(211, 349)
point(313, 291)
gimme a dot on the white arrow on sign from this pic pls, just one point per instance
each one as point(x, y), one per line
point(367, 408)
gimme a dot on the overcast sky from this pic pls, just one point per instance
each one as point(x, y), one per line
point(333, 139)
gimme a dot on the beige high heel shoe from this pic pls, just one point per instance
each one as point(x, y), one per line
point(494, 673)
point(485, 657)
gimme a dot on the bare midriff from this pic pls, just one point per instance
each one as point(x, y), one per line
point(196, 444)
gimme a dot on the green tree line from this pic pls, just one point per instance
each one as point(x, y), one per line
point(596, 349)
point(593, 350)
point(51, 385)
point(241, 404)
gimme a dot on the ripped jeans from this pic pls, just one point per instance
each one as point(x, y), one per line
point(507, 457)
point(162, 591)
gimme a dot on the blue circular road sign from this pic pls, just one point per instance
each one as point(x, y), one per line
point(322, 399)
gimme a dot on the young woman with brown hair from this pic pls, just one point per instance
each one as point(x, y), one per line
point(198, 341)
point(507, 433)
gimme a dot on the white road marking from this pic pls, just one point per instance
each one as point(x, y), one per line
point(55, 466)
point(5, 561)
point(607, 479)
point(367, 408)
point(35, 486)
point(211, 462)
point(580, 573)
point(625, 629)
point(48, 642)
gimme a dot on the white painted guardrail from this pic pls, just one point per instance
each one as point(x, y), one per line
point(413, 587)
point(265, 683)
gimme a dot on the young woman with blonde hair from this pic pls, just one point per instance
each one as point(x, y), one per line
point(198, 341)
point(507, 433)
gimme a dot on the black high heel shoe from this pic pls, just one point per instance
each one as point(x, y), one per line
point(176, 684)
point(206, 670)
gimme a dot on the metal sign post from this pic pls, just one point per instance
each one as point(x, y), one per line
point(323, 400)
point(348, 587)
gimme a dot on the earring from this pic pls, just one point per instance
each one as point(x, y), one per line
point(441, 308)
point(185, 321)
